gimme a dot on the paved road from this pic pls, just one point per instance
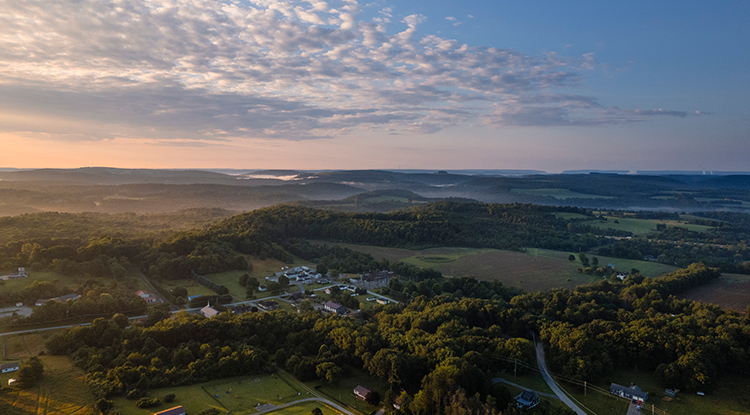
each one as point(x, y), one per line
point(547, 378)
point(546, 395)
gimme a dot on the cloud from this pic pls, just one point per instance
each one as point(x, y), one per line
point(200, 70)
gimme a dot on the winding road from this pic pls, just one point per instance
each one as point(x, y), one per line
point(551, 382)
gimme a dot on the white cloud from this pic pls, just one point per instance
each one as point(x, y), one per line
point(205, 70)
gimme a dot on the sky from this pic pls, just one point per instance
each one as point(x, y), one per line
point(439, 84)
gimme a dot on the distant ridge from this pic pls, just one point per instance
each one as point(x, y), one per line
point(596, 171)
point(691, 172)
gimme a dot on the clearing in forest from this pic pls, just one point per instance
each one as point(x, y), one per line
point(730, 291)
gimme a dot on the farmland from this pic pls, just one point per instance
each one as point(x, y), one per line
point(533, 270)
point(730, 291)
point(642, 226)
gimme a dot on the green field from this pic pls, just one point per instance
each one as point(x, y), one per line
point(63, 390)
point(568, 215)
point(647, 268)
point(559, 193)
point(533, 270)
point(239, 395)
point(641, 226)
point(19, 283)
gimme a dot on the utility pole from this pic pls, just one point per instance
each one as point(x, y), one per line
point(515, 367)
point(584, 389)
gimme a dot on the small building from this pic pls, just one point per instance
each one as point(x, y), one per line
point(334, 307)
point(12, 382)
point(177, 410)
point(361, 392)
point(268, 305)
point(527, 399)
point(193, 297)
point(9, 367)
point(672, 393)
point(382, 301)
point(262, 288)
point(64, 298)
point(632, 393)
point(209, 311)
point(148, 297)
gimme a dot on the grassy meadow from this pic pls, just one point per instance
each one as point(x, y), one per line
point(63, 390)
point(533, 270)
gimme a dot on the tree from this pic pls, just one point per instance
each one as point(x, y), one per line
point(104, 405)
point(373, 398)
point(571, 257)
point(31, 373)
point(329, 371)
point(274, 287)
point(244, 278)
point(179, 292)
point(322, 269)
point(121, 320)
point(316, 411)
point(179, 301)
point(169, 397)
point(594, 261)
point(284, 281)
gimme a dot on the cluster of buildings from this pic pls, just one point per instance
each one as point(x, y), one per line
point(302, 274)
point(18, 273)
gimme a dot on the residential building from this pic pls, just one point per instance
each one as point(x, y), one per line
point(633, 392)
point(527, 399)
point(334, 307)
point(361, 392)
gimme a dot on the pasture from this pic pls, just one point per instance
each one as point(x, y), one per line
point(239, 395)
point(642, 226)
point(730, 291)
point(533, 270)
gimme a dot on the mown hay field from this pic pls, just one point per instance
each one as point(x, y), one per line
point(730, 291)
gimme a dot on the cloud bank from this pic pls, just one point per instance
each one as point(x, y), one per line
point(213, 70)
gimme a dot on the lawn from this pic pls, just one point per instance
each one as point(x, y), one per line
point(342, 391)
point(306, 408)
point(19, 283)
point(730, 396)
point(238, 395)
point(559, 193)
